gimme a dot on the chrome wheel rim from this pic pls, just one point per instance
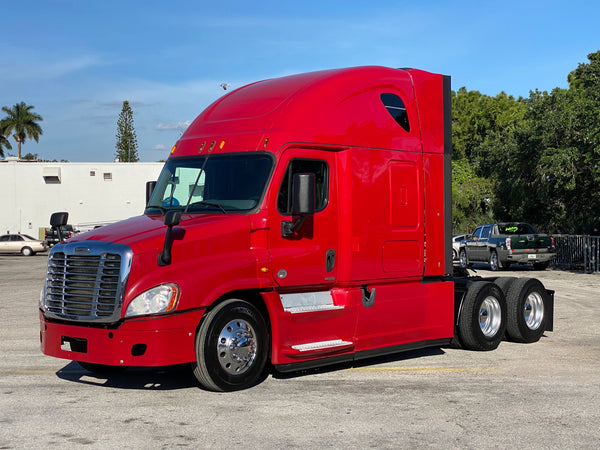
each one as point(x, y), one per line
point(463, 259)
point(533, 310)
point(490, 316)
point(236, 347)
point(494, 261)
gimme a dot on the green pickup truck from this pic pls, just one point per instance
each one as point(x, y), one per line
point(503, 244)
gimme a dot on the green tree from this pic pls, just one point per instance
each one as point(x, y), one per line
point(31, 157)
point(4, 143)
point(126, 139)
point(547, 163)
point(483, 130)
point(534, 159)
point(469, 122)
point(472, 197)
point(21, 122)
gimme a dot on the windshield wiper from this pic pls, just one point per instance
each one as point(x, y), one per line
point(162, 209)
point(211, 204)
point(187, 205)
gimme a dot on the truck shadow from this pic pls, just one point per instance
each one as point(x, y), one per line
point(141, 378)
point(181, 376)
point(372, 361)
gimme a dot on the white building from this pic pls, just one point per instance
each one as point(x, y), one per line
point(92, 193)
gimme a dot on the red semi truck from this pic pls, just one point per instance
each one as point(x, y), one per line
point(298, 222)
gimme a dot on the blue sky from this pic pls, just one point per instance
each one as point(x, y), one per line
point(77, 60)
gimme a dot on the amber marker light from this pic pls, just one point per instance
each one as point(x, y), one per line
point(264, 269)
point(222, 145)
point(173, 149)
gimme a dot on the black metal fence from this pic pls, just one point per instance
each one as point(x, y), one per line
point(577, 252)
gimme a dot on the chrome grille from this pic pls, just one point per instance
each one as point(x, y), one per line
point(85, 281)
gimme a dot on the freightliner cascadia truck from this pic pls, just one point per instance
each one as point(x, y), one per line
point(298, 222)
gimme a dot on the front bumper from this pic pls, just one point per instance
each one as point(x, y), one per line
point(150, 341)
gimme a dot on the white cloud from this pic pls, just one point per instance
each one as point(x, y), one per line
point(32, 65)
point(173, 126)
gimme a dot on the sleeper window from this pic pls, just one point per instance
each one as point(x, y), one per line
point(395, 106)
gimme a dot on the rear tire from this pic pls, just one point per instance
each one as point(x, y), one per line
point(494, 261)
point(27, 251)
point(482, 320)
point(528, 309)
point(504, 283)
point(232, 347)
point(540, 266)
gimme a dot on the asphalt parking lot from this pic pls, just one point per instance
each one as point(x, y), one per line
point(543, 395)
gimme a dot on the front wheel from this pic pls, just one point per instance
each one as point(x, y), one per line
point(232, 347)
point(482, 320)
point(463, 260)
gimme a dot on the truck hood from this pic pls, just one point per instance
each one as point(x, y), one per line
point(147, 233)
point(211, 255)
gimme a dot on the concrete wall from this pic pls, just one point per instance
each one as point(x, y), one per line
point(92, 193)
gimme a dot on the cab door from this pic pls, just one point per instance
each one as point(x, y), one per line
point(483, 253)
point(306, 257)
point(471, 246)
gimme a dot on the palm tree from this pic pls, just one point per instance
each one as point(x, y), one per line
point(3, 143)
point(22, 122)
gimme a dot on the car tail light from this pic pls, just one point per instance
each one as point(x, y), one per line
point(508, 243)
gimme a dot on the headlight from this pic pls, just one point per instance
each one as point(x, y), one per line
point(159, 299)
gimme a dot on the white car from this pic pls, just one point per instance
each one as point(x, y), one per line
point(21, 243)
point(456, 240)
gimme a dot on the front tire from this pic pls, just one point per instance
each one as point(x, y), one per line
point(463, 260)
point(528, 308)
point(482, 320)
point(232, 347)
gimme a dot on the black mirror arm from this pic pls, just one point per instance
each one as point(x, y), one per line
point(172, 218)
point(289, 227)
point(164, 257)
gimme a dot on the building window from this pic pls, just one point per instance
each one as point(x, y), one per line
point(107, 176)
point(92, 173)
point(51, 175)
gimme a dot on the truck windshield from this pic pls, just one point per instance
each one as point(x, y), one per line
point(229, 183)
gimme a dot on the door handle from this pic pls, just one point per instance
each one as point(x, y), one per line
point(330, 260)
